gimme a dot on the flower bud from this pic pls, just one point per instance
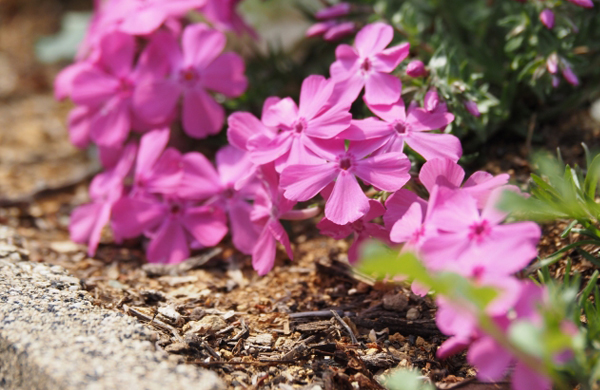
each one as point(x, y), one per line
point(334, 11)
point(568, 74)
point(547, 18)
point(339, 31)
point(471, 106)
point(432, 100)
point(416, 68)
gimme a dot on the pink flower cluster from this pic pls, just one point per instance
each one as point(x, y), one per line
point(145, 68)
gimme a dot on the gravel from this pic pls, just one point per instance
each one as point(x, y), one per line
point(53, 337)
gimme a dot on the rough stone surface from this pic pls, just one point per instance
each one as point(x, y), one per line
point(53, 337)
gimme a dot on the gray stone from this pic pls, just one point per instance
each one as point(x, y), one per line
point(396, 302)
point(53, 337)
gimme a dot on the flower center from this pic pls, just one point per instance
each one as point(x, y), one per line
point(229, 193)
point(125, 87)
point(479, 230)
point(189, 76)
point(366, 65)
point(358, 226)
point(400, 127)
point(345, 163)
point(299, 126)
point(175, 209)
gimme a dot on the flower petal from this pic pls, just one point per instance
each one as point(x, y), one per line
point(373, 38)
point(303, 182)
point(433, 145)
point(388, 172)
point(226, 75)
point(202, 115)
point(441, 171)
point(382, 88)
point(169, 244)
point(347, 201)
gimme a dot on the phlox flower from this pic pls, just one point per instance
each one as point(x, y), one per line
point(223, 15)
point(400, 125)
point(347, 202)
point(170, 223)
point(218, 187)
point(106, 89)
point(369, 63)
point(361, 229)
point(141, 17)
point(475, 243)
point(87, 221)
point(303, 129)
point(269, 207)
point(195, 68)
point(491, 359)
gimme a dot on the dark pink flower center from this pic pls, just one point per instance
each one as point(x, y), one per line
point(189, 76)
point(400, 127)
point(125, 87)
point(299, 126)
point(176, 209)
point(479, 230)
point(358, 226)
point(366, 65)
point(228, 193)
point(417, 234)
point(345, 163)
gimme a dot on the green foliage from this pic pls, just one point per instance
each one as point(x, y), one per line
point(560, 191)
point(382, 261)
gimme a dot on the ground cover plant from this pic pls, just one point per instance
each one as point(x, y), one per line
point(374, 140)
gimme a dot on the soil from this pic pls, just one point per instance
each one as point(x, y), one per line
point(310, 322)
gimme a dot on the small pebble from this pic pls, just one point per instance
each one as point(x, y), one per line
point(395, 302)
point(413, 314)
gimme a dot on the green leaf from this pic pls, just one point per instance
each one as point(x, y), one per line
point(592, 177)
point(527, 337)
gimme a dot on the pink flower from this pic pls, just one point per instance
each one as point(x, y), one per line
point(547, 18)
point(106, 89)
point(347, 202)
point(201, 182)
point(141, 17)
point(171, 224)
point(87, 221)
point(405, 219)
point(416, 68)
point(302, 130)
point(361, 229)
point(200, 67)
point(223, 15)
point(335, 11)
point(474, 243)
point(369, 63)
point(269, 206)
point(399, 126)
